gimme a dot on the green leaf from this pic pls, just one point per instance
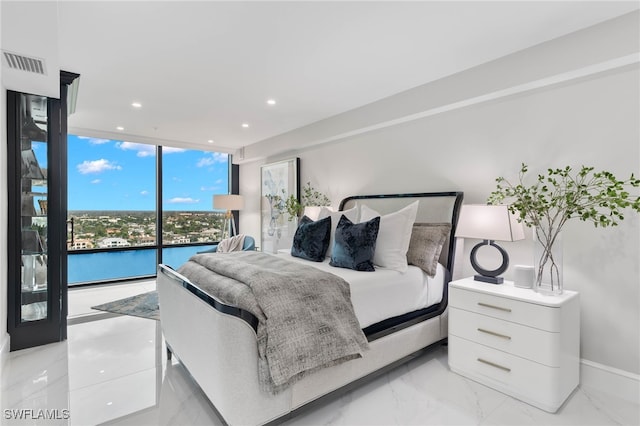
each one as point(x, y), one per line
point(563, 193)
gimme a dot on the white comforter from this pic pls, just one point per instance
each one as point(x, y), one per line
point(385, 293)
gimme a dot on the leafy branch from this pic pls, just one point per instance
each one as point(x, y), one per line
point(560, 195)
point(310, 197)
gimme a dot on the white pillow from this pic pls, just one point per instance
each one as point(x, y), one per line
point(351, 214)
point(394, 235)
point(312, 212)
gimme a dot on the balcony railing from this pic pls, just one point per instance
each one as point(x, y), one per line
point(89, 266)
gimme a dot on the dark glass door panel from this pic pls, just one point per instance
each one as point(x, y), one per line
point(36, 138)
point(33, 207)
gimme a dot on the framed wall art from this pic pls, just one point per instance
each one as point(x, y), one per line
point(278, 181)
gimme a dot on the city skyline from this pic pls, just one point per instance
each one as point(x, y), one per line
point(114, 175)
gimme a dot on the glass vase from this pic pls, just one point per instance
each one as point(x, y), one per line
point(548, 262)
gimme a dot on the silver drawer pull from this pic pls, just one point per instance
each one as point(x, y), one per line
point(500, 308)
point(493, 333)
point(493, 364)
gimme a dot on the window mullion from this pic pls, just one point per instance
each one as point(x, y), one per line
point(159, 212)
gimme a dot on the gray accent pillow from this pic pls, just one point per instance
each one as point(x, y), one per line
point(425, 246)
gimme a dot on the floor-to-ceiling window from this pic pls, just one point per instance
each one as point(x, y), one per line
point(114, 231)
point(189, 180)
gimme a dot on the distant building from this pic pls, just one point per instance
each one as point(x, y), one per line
point(113, 242)
point(176, 239)
point(210, 233)
point(80, 244)
point(147, 241)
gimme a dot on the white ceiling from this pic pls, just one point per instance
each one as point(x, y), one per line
point(201, 69)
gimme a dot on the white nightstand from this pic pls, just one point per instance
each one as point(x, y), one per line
point(515, 340)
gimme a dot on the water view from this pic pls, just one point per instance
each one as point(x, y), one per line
point(114, 265)
point(114, 206)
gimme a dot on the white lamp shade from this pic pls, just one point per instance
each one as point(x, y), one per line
point(486, 222)
point(228, 202)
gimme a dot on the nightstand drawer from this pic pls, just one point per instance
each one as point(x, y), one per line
point(526, 380)
point(525, 342)
point(529, 314)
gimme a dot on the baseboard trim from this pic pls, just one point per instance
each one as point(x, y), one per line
point(620, 383)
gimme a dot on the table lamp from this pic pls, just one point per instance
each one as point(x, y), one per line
point(489, 223)
point(228, 202)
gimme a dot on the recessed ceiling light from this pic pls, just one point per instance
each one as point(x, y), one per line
point(210, 141)
point(120, 128)
point(136, 105)
point(245, 125)
point(271, 101)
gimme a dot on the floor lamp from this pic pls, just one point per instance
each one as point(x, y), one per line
point(228, 202)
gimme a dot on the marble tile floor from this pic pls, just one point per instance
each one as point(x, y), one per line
point(114, 372)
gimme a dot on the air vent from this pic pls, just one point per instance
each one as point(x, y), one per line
point(23, 63)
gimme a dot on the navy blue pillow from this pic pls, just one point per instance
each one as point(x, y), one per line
point(311, 239)
point(355, 244)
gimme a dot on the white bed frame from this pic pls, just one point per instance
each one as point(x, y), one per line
point(217, 343)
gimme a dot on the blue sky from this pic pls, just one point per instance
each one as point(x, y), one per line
point(118, 175)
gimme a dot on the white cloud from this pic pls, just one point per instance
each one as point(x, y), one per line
point(145, 150)
point(95, 141)
point(171, 150)
point(215, 158)
point(96, 166)
point(145, 192)
point(183, 200)
point(206, 161)
point(96, 181)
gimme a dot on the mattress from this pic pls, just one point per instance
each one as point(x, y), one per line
point(385, 293)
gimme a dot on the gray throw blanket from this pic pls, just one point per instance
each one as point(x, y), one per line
point(306, 319)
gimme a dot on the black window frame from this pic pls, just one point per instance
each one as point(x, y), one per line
point(234, 187)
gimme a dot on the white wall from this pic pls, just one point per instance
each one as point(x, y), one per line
point(4, 337)
point(591, 120)
point(31, 28)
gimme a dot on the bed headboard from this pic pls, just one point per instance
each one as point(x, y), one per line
point(433, 207)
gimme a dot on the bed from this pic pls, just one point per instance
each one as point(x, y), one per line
point(218, 342)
